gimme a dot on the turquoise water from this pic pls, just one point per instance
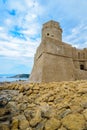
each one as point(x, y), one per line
point(5, 78)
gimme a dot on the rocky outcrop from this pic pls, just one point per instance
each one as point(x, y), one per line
point(45, 106)
point(5, 114)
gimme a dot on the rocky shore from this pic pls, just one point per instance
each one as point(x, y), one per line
point(45, 106)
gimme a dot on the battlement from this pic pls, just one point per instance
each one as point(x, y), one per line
point(52, 24)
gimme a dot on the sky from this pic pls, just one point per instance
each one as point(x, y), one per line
point(20, 29)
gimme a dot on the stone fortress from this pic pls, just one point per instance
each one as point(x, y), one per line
point(56, 60)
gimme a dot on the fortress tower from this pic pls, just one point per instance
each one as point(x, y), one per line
point(55, 60)
point(53, 30)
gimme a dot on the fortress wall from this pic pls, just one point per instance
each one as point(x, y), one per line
point(39, 52)
point(37, 71)
point(85, 50)
point(67, 51)
point(82, 54)
point(79, 54)
point(57, 48)
point(80, 58)
point(53, 48)
point(57, 68)
point(74, 53)
point(85, 65)
point(76, 64)
point(80, 74)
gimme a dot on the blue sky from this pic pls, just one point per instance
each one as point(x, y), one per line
point(20, 29)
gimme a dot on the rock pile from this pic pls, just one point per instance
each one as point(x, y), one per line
point(47, 106)
point(5, 114)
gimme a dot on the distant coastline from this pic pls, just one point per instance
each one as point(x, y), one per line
point(20, 76)
point(13, 77)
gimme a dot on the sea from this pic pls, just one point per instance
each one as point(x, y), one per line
point(6, 78)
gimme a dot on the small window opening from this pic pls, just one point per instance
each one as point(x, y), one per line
point(47, 34)
point(82, 67)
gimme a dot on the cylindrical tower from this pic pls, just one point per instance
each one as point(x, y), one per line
point(52, 29)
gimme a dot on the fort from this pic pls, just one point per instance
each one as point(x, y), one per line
point(56, 60)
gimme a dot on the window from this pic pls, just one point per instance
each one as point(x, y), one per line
point(47, 34)
point(82, 67)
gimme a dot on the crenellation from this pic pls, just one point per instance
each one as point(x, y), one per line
point(56, 60)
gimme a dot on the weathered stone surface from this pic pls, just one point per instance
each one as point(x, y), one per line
point(82, 90)
point(29, 128)
point(36, 119)
point(74, 122)
point(40, 126)
point(3, 111)
point(63, 112)
point(13, 107)
point(14, 124)
point(3, 101)
point(85, 114)
point(50, 106)
point(76, 108)
point(62, 128)
point(23, 124)
point(45, 110)
point(52, 124)
point(4, 126)
point(14, 129)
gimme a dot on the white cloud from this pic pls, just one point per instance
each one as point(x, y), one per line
point(78, 36)
point(1, 29)
point(8, 22)
point(27, 20)
point(17, 49)
point(14, 47)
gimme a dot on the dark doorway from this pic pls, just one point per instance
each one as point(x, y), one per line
point(82, 67)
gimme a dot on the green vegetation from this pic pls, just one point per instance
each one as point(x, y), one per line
point(21, 76)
